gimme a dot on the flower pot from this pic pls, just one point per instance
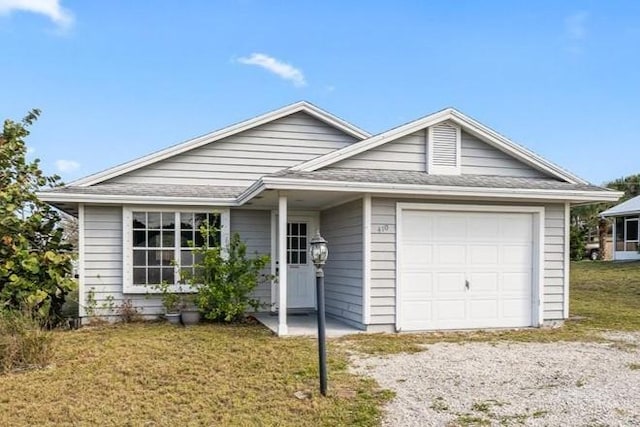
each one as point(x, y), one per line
point(190, 317)
point(173, 318)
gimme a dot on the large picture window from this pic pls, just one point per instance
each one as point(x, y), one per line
point(158, 244)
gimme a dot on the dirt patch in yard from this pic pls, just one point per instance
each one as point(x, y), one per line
point(562, 383)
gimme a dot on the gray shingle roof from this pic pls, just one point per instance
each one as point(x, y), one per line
point(421, 178)
point(169, 190)
point(631, 206)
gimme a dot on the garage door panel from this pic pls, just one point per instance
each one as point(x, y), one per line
point(484, 254)
point(447, 254)
point(449, 283)
point(483, 283)
point(449, 227)
point(492, 250)
point(417, 285)
point(516, 227)
point(449, 309)
point(482, 228)
point(516, 282)
point(416, 254)
point(483, 309)
point(418, 312)
point(516, 254)
point(416, 228)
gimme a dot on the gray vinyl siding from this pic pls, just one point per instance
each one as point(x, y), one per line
point(103, 257)
point(254, 228)
point(480, 158)
point(383, 260)
point(342, 227)
point(554, 241)
point(241, 159)
point(407, 154)
point(103, 264)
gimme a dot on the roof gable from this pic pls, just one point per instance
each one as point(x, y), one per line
point(299, 107)
point(468, 125)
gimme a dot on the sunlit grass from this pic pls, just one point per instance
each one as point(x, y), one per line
point(156, 374)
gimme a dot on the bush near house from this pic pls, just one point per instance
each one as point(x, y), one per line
point(225, 278)
point(35, 262)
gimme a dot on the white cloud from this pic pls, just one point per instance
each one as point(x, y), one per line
point(30, 150)
point(575, 25)
point(277, 67)
point(67, 165)
point(52, 9)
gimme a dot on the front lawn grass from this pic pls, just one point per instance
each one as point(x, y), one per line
point(161, 375)
point(603, 296)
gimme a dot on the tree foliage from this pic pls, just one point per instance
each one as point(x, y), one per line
point(586, 219)
point(35, 263)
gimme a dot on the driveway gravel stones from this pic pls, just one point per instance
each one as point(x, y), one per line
point(532, 384)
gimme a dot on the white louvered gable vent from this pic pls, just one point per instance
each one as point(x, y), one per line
point(443, 149)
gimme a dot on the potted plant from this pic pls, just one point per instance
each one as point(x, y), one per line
point(171, 302)
point(190, 313)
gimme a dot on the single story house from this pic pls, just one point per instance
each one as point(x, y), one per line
point(440, 223)
point(625, 229)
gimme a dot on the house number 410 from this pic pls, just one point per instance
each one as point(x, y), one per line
point(383, 228)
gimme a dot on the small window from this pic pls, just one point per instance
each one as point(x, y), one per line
point(297, 243)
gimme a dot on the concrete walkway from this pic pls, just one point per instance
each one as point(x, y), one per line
point(306, 325)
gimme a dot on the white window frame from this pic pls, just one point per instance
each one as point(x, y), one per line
point(626, 238)
point(127, 244)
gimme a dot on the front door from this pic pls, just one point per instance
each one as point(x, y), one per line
point(300, 269)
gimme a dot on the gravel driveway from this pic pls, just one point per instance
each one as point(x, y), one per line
point(557, 384)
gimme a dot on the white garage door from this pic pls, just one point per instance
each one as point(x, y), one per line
point(462, 270)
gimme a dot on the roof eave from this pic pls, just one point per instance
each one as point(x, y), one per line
point(280, 183)
point(51, 197)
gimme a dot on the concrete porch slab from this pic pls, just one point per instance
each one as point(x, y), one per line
point(305, 324)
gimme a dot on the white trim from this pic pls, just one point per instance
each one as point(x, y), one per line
point(474, 127)
point(274, 249)
point(226, 132)
point(567, 258)
point(366, 259)
point(444, 170)
point(132, 200)
point(127, 244)
point(81, 260)
point(614, 235)
point(433, 190)
point(282, 264)
point(537, 279)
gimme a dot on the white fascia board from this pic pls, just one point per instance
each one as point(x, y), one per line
point(137, 200)
point(436, 190)
point(220, 134)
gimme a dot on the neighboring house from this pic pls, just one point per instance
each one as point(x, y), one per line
point(625, 229)
point(440, 223)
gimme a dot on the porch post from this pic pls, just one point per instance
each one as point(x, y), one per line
point(282, 264)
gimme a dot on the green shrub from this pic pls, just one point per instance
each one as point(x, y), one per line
point(225, 278)
point(23, 343)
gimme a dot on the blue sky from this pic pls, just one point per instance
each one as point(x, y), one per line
point(119, 79)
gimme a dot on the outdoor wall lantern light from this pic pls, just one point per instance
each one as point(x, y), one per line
point(319, 252)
